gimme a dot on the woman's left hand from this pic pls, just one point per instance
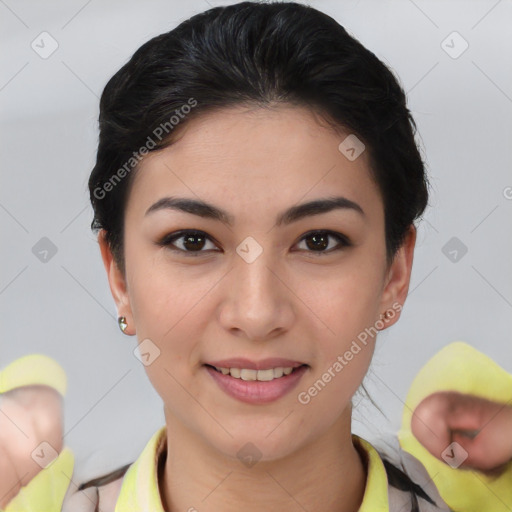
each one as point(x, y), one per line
point(482, 428)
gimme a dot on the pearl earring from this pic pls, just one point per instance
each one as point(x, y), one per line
point(123, 324)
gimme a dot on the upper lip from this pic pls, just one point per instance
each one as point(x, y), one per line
point(264, 364)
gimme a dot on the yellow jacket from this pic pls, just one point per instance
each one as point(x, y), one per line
point(457, 367)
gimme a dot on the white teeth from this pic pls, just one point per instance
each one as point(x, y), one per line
point(265, 375)
point(278, 372)
point(261, 375)
point(248, 374)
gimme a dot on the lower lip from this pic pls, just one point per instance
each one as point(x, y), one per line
point(255, 391)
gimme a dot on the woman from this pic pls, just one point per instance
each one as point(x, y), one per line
point(255, 191)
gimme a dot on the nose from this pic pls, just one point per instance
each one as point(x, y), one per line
point(258, 303)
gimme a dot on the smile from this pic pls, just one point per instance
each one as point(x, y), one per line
point(261, 375)
point(257, 386)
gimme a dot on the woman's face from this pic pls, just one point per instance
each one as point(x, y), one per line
point(261, 286)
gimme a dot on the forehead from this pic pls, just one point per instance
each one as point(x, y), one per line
point(255, 157)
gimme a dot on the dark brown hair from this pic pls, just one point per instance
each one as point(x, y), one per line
point(255, 53)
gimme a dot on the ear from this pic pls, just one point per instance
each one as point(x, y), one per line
point(396, 285)
point(116, 282)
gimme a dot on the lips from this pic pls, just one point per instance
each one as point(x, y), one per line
point(257, 391)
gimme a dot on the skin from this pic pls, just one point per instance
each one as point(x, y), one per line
point(29, 415)
point(286, 303)
point(290, 302)
point(483, 429)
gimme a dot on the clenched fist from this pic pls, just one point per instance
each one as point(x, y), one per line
point(29, 416)
point(483, 428)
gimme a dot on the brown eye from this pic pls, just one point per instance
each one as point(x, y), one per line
point(194, 242)
point(318, 241)
point(188, 242)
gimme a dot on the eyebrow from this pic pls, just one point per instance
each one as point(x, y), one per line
point(293, 214)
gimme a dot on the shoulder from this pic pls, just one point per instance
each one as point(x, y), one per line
point(108, 494)
point(397, 481)
point(416, 471)
point(99, 494)
point(103, 493)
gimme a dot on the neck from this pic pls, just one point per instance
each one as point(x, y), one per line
point(326, 475)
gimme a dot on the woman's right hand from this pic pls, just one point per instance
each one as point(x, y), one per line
point(29, 416)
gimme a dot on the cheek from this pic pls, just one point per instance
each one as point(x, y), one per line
point(327, 394)
point(349, 309)
point(165, 304)
point(164, 294)
point(347, 302)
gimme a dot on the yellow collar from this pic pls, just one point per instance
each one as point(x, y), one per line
point(140, 493)
point(460, 367)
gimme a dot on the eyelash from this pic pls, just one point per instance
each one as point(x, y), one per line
point(168, 240)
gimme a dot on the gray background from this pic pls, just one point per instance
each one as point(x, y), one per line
point(63, 307)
